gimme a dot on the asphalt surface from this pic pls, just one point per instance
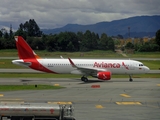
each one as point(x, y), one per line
point(117, 99)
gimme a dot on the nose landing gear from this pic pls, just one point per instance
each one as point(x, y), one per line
point(130, 78)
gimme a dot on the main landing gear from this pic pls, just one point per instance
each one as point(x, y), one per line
point(85, 79)
point(130, 78)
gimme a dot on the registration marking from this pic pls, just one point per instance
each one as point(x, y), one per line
point(125, 95)
point(128, 103)
point(99, 106)
point(61, 103)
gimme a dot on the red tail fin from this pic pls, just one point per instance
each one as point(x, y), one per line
point(24, 50)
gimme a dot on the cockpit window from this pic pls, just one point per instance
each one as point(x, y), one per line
point(141, 65)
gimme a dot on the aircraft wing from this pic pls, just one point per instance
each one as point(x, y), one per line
point(86, 70)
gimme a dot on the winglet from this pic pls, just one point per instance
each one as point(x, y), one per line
point(61, 57)
point(72, 63)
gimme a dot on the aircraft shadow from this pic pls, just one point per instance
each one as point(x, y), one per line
point(90, 81)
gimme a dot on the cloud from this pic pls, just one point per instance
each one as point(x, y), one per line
point(57, 13)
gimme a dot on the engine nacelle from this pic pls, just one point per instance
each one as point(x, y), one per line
point(104, 75)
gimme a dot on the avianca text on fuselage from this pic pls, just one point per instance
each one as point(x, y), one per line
point(108, 65)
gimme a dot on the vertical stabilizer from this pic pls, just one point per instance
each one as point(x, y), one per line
point(24, 50)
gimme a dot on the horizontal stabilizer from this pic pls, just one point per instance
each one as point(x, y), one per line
point(21, 63)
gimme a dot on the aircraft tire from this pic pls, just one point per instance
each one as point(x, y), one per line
point(130, 80)
point(86, 79)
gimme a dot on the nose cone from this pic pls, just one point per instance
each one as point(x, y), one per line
point(147, 69)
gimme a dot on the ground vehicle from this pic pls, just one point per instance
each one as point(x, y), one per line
point(35, 111)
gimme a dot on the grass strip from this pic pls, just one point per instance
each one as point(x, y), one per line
point(152, 64)
point(90, 54)
point(37, 75)
point(28, 87)
point(48, 75)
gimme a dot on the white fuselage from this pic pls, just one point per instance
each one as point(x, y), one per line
point(114, 66)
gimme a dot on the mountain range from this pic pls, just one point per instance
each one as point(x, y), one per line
point(138, 26)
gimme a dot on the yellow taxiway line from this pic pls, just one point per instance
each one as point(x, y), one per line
point(1, 95)
point(99, 106)
point(128, 103)
point(56, 84)
point(61, 103)
point(125, 95)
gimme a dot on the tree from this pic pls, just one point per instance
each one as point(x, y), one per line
point(158, 37)
point(29, 28)
point(73, 42)
point(145, 47)
point(70, 47)
point(6, 35)
point(88, 40)
point(32, 28)
point(137, 46)
point(51, 42)
point(10, 32)
point(63, 41)
point(21, 32)
point(1, 34)
point(129, 45)
point(37, 44)
point(119, 36)
point(103, 43)
point(82, 42)
point(95, 39)
point(111, 44)
point(7, 43)
point(3, 31)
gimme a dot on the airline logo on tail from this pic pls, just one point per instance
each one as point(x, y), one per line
point(28, 56)
point(24, 50)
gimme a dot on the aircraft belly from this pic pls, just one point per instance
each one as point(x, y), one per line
point(118, 71)
point(62, 69)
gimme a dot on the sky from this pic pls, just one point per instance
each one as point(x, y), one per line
point(50, 14)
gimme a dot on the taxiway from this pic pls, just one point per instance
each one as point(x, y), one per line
point(116, 99)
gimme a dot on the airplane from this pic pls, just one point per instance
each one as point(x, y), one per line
point(99, 68)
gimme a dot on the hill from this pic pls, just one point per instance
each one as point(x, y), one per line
point(138, 26)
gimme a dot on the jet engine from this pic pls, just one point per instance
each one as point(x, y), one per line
point(104, 75)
